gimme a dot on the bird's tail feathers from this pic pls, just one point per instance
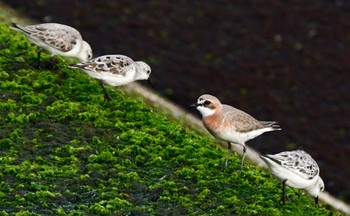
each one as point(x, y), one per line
point(78, 65)
point(272, 124)
point(265, 157)
point(17, 27)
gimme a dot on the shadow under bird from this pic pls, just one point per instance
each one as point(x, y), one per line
point(57, 39)
point(229, 124)
point(296, 169)
point(114, 70)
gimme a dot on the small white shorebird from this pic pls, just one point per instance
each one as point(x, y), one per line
point(115, 70)
point(296, 169)
point(229, 124)
point(58, 39)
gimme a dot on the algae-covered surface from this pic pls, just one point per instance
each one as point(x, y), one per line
point(66, 151)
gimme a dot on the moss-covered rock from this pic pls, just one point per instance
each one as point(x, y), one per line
point(66, 151)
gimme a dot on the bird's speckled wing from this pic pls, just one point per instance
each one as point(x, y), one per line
point(114, 64)
point(299, 162)
point(60, 37)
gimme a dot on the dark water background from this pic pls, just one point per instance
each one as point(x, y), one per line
point(277, 60)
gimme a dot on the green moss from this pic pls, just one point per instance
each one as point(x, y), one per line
point(65, 151)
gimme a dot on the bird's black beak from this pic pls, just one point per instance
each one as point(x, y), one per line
point(316, 199)
point(150, 83)
point(194, 105)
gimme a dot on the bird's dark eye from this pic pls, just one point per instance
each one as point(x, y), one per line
point(206, 103)
point(148, 72)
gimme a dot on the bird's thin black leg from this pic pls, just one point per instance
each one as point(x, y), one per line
point(48, 64)
point(229, 147)
point(39, 55)
point(106, 95)
point(243, 157)
point(283, 198)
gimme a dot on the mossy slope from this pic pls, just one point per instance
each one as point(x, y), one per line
point(64, 151)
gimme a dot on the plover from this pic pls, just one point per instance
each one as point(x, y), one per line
point(229, 124)
point(115, 70)
point(296, 169)
point(58, 39)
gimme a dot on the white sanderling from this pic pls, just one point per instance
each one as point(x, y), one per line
point(58, 39)
point(230, 124)
point(115, 70)
point(296, 169)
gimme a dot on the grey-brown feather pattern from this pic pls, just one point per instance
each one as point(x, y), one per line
point(118, 65)
point(62, 39)
point(299, 162)
point(243, 122)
